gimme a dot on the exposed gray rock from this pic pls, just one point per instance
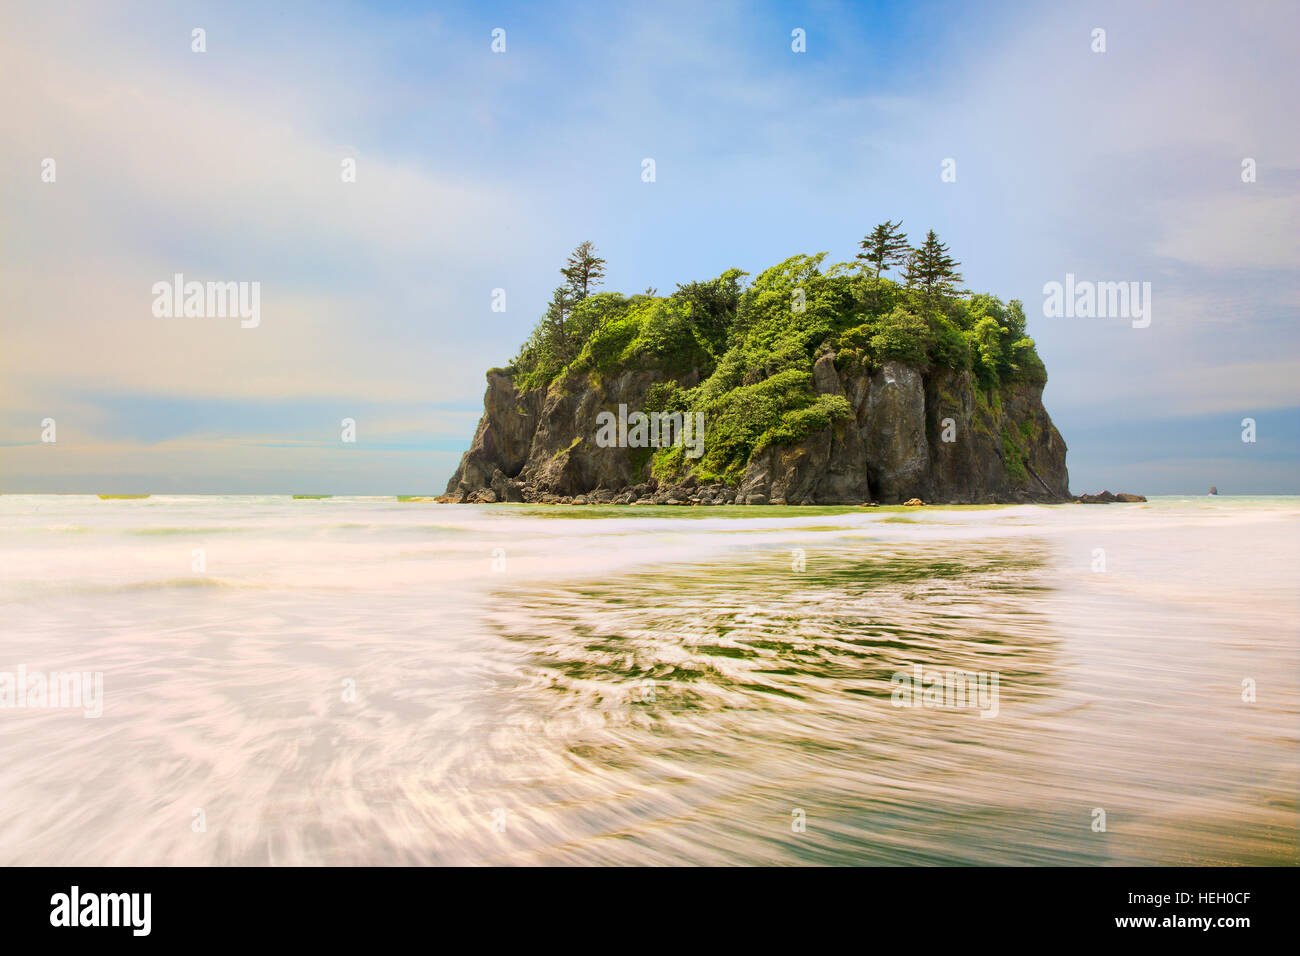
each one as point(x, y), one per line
point(898, 454)
point(1106, 498)
point(928, 434)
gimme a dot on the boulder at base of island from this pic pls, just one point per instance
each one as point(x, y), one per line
point(1106, 498)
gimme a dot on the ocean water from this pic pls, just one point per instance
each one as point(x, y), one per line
point(367, 681)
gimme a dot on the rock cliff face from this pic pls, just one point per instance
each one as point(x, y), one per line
point(930, 433)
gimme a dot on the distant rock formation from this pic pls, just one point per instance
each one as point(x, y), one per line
point(1106, 498)
point(1213, 490)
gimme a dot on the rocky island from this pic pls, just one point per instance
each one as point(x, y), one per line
point(809, 385)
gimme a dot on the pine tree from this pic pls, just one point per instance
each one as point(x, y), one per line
point(584, 272)
point(886, 246)
point(556, 337)
point(932, 270)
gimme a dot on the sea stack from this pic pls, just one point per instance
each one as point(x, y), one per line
point(808, 388)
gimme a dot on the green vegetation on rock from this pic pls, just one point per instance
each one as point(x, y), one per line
point(1015, 455)
point(743, 352)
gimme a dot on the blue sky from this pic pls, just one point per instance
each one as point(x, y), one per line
point(478, 171)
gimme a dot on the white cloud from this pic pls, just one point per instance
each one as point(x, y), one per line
point(1256, 228)
point(160, 171)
